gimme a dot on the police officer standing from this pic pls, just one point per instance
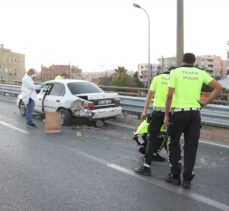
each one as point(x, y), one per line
point(158, 90)
point(185, 87)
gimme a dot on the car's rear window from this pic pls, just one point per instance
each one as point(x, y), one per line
point(83, 88)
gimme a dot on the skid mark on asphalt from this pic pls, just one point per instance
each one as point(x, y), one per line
point(150, 180)
point(13, 127)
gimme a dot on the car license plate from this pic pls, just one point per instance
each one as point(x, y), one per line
point(104, 102)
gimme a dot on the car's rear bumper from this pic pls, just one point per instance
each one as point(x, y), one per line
point(104, 113)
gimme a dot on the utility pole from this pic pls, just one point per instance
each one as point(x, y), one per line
point(180, 31)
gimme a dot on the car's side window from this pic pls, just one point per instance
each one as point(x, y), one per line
point(58, 89)
point(45, 88)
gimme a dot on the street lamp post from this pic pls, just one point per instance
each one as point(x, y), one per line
point(180, 31)
point(149, 73)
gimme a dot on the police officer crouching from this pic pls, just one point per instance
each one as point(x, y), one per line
point(184, 89)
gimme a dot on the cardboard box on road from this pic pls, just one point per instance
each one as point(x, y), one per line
point(52, 122)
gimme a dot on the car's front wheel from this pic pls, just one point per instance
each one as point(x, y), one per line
point(66, 117)
point(22, 108)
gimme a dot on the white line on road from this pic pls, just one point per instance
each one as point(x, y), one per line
point(186, 193)
point(13, 127)
point(121, 125)
point(215, 144)
point(181, 191)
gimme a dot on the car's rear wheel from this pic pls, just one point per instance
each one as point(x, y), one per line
point(66, 117)
point(22, 108)
point(99, 123)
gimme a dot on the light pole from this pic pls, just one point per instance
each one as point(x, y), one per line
point(228, 50)
point(149, 73)
point(180, 31)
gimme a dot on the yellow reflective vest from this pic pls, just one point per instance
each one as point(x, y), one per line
point(59, 77)
point(143, 128)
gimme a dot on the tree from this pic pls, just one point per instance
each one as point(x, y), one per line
point(137, 81)
point(119, 73)
point(106, 81)
point(121, 78)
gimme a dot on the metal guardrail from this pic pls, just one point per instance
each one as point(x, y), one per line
point(223, 99)
point(10, 89)
point(215, 115)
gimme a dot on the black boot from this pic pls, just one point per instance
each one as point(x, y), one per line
point(143, 170)
point(158, 158)
point(187, 180)
point(175, 180)
point(186, 184)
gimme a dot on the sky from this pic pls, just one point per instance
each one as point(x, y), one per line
point(99, 35)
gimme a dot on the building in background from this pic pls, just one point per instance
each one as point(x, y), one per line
point(94, 77)
point(212, 64)
point(12, 66)
point(228, 50)
point(225, 67)
point(225, 64)
point(166, 63)
point(49, 73)
point(143, 71)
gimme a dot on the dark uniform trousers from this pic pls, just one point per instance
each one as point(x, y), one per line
point(156, 122)
point(189, 123)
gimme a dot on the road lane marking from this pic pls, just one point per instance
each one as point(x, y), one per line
point(121, 125)
point(13, 127)
point(215, 144)
point(181, 191)
point(98, 160)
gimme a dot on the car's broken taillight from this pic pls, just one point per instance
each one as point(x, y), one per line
point(117, 102)
point(89, 105)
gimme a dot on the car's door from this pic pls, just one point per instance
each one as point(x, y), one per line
point(54, 98)
point(45, 88)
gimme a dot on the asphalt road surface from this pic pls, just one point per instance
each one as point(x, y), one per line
point(89, 169)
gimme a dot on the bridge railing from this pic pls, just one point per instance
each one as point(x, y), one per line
point(223, 99)
point(215, 115)
point(10, 89)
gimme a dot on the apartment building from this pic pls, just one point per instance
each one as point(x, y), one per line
point(214, 65)
point(225, 63)
point(166, 63)
point(143, 71)
point(49, 73)
point(12, 66)
point(225, 68)
point(211, 63)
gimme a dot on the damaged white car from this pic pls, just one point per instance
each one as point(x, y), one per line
point(75, 98)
